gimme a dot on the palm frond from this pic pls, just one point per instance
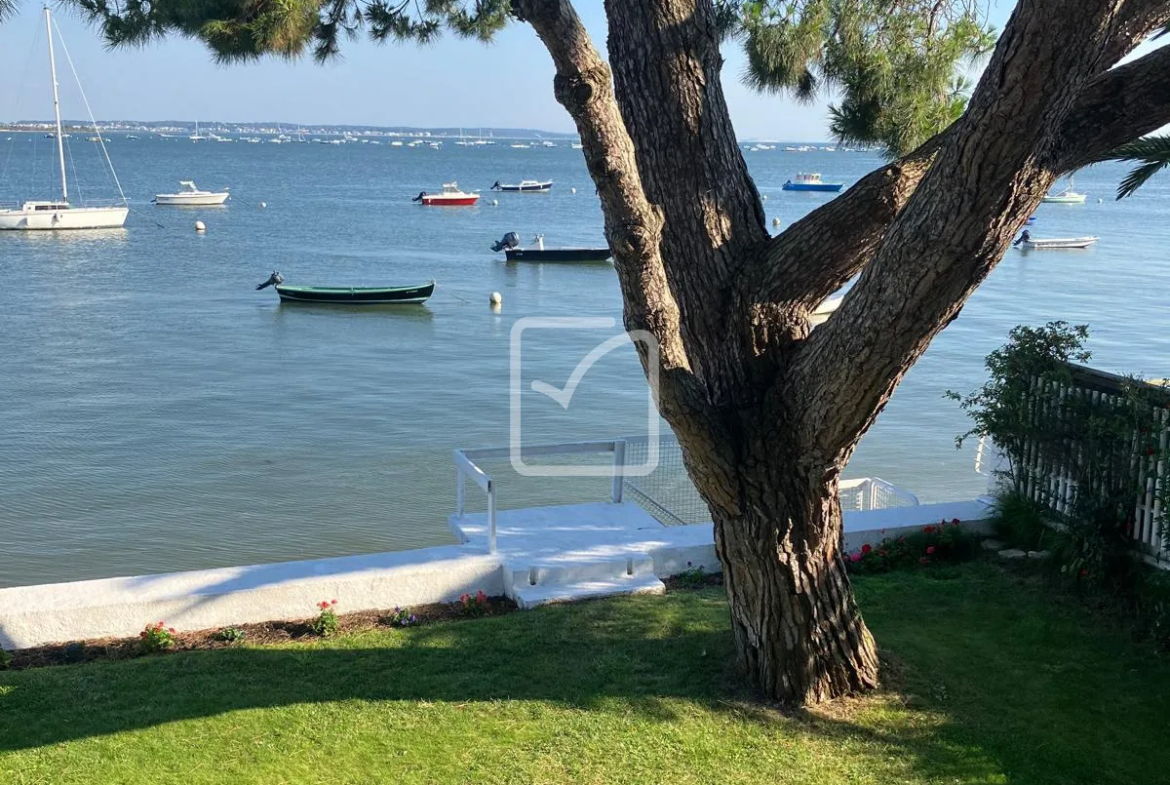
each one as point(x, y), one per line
point(1151, 152)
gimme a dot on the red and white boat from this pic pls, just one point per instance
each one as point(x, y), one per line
point(450, 197)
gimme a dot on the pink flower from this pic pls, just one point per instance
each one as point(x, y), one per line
point(929, 549)
point(923, 560)
point(171, 630)
point(333, 602)
point(855, 557)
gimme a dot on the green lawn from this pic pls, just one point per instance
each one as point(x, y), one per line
point(992, 682)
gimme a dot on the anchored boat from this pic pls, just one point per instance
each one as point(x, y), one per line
point(510, 245)
point(59, 213)
point(810, 181)
point(192, 197)
point(450, 197)
point(524, 186)
point(1027, 242)
point(1067, 196)
point(349, 295)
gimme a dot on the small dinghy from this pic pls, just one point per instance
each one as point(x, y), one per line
point(525, 186)
point(1027, 242)
point(349, 295)
point(510, 245)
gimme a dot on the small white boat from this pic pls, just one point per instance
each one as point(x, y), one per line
point(1067, 196)
point(525, 186)
point(192, 197)
point(59, 213)
point(1056, 243)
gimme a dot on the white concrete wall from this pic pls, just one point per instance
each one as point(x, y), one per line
point(206, 599)
point(203, 599)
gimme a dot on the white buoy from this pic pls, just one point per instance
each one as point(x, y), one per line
point(496, 298)
point(200, 226)
point(495, 202)
point(572, 190)
point(1100, 200)
point(765, 197)
point(775, 222)
point(264, 204)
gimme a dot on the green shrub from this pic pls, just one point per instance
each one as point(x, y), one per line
point(156, 637)
point(231, 634)
point(1020, 522)
point(5, 658)
point(326, 624)
point(946, 542)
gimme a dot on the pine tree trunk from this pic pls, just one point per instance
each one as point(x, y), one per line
point(799, 635)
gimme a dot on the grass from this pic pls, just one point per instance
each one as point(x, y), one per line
point(993, 682)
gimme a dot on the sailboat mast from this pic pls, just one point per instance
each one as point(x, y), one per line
point(57, 108)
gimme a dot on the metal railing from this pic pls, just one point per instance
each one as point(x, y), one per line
point(667, 492)
point(465, 467)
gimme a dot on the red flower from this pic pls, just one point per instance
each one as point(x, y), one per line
point(333, 602)
point(171, 630)
point(923, 560)
point(928, 529)
point(866, 548)
point(142, 634)
point(929, 549)
point(954, 521)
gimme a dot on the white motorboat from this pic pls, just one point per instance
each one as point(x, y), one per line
point(1067, 196)
point(192, 197)
point(59, 213)
point(451, 196)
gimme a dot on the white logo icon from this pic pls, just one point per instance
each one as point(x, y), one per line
point(564, 395)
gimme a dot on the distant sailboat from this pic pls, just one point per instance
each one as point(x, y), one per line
point(59, 213)
point(1067, 196)
point(196, 137)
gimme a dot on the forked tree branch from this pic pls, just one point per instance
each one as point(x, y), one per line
point(1118, 106)
point(819, 253)
point(961, 218)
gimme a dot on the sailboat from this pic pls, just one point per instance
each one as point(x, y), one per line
point(59, 214)
point(1067, 196)
point(196, 137)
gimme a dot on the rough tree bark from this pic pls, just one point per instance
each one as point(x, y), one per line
point(767, 410)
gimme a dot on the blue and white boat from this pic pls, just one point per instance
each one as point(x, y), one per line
point(811, 181)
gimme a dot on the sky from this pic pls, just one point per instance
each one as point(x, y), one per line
point(454, 83)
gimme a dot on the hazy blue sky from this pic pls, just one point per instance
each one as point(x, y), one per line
point(451, 83)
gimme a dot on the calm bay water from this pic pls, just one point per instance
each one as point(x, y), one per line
point(157, 413)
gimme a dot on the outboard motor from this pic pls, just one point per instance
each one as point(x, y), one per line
point(1023, 238)
point(511, 240)
point(420, 196)
point(496, 185)
point(273, 280)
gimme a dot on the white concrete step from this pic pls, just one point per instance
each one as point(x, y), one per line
point(528, 596)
